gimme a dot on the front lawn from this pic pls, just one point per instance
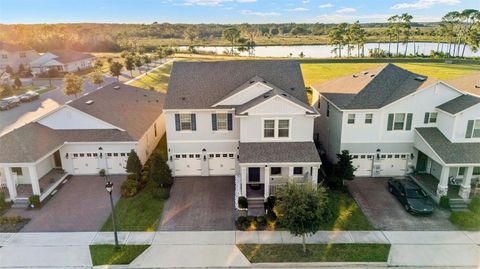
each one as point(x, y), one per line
point(108, 254)
point(468, 220)
point(316, 253)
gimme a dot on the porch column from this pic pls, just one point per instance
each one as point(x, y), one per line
point(314, 176)
point(32, 170)
point(290, 173)
point(266, 184)
point(466, 186)
point(243, 176)
point(12, 190)
point(442, 188)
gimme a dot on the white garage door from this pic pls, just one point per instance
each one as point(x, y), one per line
point(363, 163)
point(188, 164)
point(85, 163)
point(221, 164)
point(393, 165)
point(117, 163)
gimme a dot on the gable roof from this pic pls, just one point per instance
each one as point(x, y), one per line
point(469, 83)
point(129, 108)
point(373, 88)
point(67, 55)
point(199, 85)
point(459, 104)
point(278, 152)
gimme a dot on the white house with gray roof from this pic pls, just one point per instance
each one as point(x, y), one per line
point(249, 119)
point(96, 131)
point(395, 122)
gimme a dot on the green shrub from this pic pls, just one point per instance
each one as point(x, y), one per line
point(34, 201)
point(271, 216)
point(144, 178)
point(3, 202)
point(129, 188)
point(444, 202)
point(242, 202)
point(160, 171)
point(132, 177)
point(466, 220)
point(261, 223)
point(11, 220)
point(240, 222)
point(161, 193)
point(270, 204)
point(101, 172)
point(474, 205)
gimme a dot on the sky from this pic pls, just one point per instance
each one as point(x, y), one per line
point(224, 11)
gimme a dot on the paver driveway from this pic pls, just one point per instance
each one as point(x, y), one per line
point(82, 204)
point(385, 212)
point(200, 204)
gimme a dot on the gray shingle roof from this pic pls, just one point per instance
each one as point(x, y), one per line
point(278, 152)
point(67, 56)
point(34, 140)
point(199, 85)
point(459, 104)
point(372, 89)
point(129, 108)
point(450, 153)
point(469, 83)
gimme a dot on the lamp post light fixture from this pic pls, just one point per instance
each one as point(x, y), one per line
point(109, 188)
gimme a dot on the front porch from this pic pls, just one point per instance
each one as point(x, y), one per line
point(430, 184)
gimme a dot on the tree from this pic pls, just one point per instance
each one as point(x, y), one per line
point(134, 166)
point(138, 62)
point(449, 25)
point(406, 27)
point(336, 37)
point(21, 69)
point(159, 171)
point(191, 34)
point(17, 82)
point(73, 84)
point(395, 28)
point(97, 78)
point(98, 64)
point(232, 35)
point(357, 36)
point(344, 168)
point(9, 69)
point(130, 64)
point(301, 209)
point(116, 69)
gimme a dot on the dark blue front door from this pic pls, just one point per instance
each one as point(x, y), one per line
point(254, 174)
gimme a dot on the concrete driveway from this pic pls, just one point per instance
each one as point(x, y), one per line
point(385, 212)
point(82, 204)
point(200, 204)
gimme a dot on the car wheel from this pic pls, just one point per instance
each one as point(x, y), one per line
point(407, 207)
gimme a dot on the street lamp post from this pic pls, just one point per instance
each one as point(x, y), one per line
point(109, 188)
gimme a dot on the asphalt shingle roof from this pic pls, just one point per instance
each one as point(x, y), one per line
point(450, 153)
point(459, 104)
point(67, 56)
point(372, 89)
point(468, 83)
point(199, 85)
point(278, 152)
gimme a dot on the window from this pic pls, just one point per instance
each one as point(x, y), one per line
point(217, 155)
point(476, 129)
point(275, 171)
point(122, 154)
point(17, 170)
point(197, 156)
point(269, 128)
point(155, 129)
point(190, 156)
point(89, 154)
point(368, 118)
point(115, 154)
point(430, 117)
point(399, 121)
point(109, 154)
point(23, 55)
point(283, 128)
point(185, 122)
point(4, 56)
point(298, 170)
point(211, 155)
point(461, 171)
point(82, 155)
point(222, 121)
point(75, 155)
point(184, 156)
point(476, 171)
point(351, 119)
point(318, 104)
point(231, 155)
point(328, 109)
point(225, 155)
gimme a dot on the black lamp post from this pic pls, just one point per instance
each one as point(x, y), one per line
point(109, 188)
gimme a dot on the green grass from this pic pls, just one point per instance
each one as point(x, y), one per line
point(108, 254)
point(316, 253)
point(468, 220)
point(157, 79)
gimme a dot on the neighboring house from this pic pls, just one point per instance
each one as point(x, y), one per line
point(96, 131)
point(250, 119)
point(15, 55)
point(395, 122)
point(63, 60)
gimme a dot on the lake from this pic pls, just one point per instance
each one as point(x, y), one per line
point(325, 51)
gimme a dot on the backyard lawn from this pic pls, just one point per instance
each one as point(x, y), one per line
point(316, 253)
point(108, 254)
point(155, 80)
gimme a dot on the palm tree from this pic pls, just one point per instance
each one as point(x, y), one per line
point(336, 37)
point(448, 24)
point(406, 26)
point(468, 17)
point(395, 26)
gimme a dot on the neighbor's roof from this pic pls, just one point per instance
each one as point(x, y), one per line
point(278, 152)
point(129, 108)
point(12, 47)
point(199, 85)
point(32, 141)
point(459, 104)
point(68, 55)
point(450, 153)
point(373, 88)
point(469, 83)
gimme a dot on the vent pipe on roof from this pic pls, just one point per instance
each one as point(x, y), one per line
point(117, 87)
point(420, 78)
point(477, 86)
point(89, 102)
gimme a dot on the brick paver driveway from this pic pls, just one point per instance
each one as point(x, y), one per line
point(385, 212)
point(82, 204)
point(200, 204)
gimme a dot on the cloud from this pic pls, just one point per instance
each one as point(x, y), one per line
point(346, 10)
point(422, 4)
point(298, 9)
point(305, 1)
point(258, 13)
point(327, 5)
point(213, 3)
point(335, 18)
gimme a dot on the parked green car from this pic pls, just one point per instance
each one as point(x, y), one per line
point(410, 195)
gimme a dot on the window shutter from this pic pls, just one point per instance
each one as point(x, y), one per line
point(229, 121)
point(468, 134)
point(194, 122)
point(390, 122)
point(214, 121)
point(409, 121)
point(177, 122)
point(427, 115)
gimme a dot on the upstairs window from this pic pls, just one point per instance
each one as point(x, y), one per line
point(269, 128)
point(368, 118)
point(399, 121)
point(185, 122)
point(351, 119)
point(473, 129)
point(283, 128)
point(221, 121)
point(430, 117)
point(276, 128)
point(4, 56)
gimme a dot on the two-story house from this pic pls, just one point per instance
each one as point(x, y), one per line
point(249, 119)
point(15, 55)
point(395, 122)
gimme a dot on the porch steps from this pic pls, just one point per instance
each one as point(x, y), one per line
point(20, 203)
point(458, 205)
point(256, 207)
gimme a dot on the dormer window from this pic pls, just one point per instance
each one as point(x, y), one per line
point(430, 117)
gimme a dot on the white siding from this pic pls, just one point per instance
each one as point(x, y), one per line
point(44, 166)
point(446, 124)
point(149, 141)
point(301, 128)
point(70, 118)
point(329, 129)
point(461, 120)
point(277, 106)
point(246, 94)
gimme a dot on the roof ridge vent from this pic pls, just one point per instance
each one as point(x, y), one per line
point(266, 95)
point(365, 73)
point(372, 75)
point(117, 87)
point(89, 102)
point(477, 86)
point(420, 78)
point(252, 81)
point(265, 82)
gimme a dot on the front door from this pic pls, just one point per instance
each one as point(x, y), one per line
point(422, 162)
point(254, 174)
point(57, 159)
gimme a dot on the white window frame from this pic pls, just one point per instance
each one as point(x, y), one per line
point(222, 121)
point(430, 118)
point(263, 128)
point(476, 127)
point(276, 129)
point(404, 122)
point(184, 116)
point(370, 119)
point(351, 118)
point(288, 128)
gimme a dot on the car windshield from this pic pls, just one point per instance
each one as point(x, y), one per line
point(415, 193)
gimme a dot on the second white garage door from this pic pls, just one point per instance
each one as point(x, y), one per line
point(187, 165)
point(393, 165)
point(117, 163)
point(221, 164)
point(363, 163)
point(85, 163)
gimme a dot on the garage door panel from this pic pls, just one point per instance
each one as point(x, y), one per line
point(188, 164)
point(363, 163)
point(393, 165)
point(117, 164)
point(84, 163)
point(221, 164)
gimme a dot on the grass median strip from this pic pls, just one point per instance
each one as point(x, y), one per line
point(256, 253)
point(108, 254)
